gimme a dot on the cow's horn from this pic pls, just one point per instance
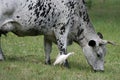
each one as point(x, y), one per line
point(109, 42)
point(113, 43)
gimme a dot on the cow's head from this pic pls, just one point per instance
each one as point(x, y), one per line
point(95, 51)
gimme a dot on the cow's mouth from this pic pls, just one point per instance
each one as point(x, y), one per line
point(98, 70)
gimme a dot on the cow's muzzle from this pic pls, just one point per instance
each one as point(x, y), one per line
point(98, 70)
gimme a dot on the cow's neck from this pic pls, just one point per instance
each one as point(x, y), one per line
point(87, 33)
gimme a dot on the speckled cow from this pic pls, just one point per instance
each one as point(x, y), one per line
point(60, 21)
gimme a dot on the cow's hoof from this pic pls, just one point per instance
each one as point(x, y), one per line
point(1, 57)
point(48, 62)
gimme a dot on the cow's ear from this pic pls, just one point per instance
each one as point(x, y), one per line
point(100, 35)
point(92, 43)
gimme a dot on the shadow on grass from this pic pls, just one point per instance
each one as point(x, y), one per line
point(74, 65)
point(80, 66)
point(28, 58)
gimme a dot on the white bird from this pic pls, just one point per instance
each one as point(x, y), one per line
point(61, 58)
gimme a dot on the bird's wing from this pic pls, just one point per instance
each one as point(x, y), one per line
point(60, 59)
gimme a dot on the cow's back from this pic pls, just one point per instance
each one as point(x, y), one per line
point(33, 17)
point(39, 16)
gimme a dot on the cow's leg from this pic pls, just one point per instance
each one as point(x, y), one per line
point(47, 49)
point(1, 53)
point(61, 33)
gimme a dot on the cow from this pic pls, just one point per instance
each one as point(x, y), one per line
point(60, 21)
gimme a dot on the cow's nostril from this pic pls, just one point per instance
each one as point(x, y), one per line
point(98, 55)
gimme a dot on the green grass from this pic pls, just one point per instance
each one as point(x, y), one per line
point(25, 56)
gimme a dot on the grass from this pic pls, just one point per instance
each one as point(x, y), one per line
point(25, 56)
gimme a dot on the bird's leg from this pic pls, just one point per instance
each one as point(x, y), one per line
point(65, 63)
point(1, 53)
point(47, 49)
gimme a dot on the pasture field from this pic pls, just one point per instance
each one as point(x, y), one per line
point(25, 56)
